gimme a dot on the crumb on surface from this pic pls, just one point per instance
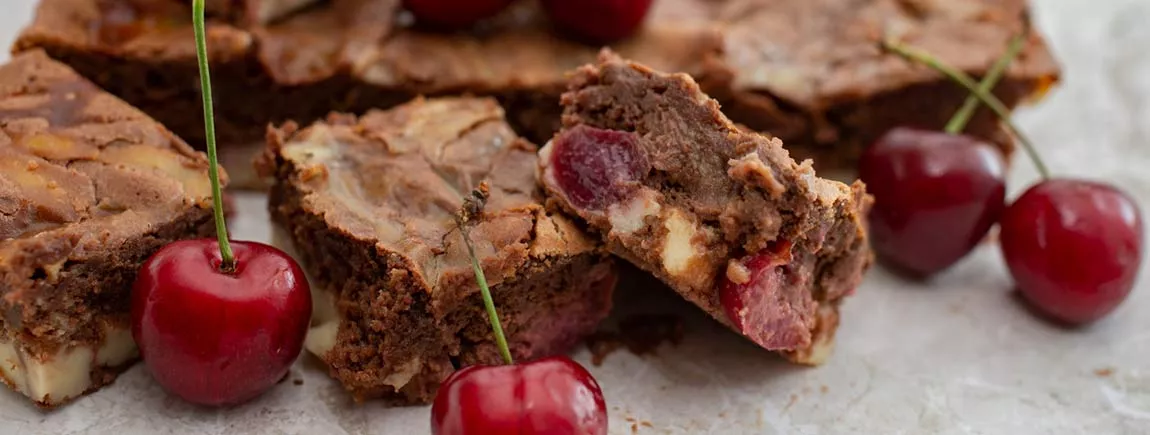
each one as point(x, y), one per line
point(297, 381)
point(824, 389)
point(1104, 372)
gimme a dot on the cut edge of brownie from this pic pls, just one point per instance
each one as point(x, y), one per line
point(697, 219)
point(365, 288)
point(128, 186)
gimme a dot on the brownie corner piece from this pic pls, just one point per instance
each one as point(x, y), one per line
point(724, 216)
point(369, 206)
point(89, 188)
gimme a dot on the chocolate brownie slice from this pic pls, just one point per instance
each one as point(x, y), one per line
point(724, 216)
point(808, 72)
point(254, 12)
point(89, 188)
point(368, 204)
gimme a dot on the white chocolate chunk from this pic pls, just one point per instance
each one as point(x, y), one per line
point(270, 10)
point(678, 246)
point(66, 374)
point(630, 216)
point(403, 375)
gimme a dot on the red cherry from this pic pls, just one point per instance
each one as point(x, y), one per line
point(550, 396)
point(936, 196)
point(1074, 248)
point(596, 167)
point(598, 21)
point(454, 14)
point(764, 308)
point(215, 338)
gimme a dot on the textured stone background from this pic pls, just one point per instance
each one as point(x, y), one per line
point(957, 356)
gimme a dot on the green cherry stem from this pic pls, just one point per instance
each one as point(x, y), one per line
point(229, 259)
point(962, 116)
point(986, 98)
point(472, 208)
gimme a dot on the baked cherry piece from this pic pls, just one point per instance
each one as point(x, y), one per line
point(1073, 247)
point(936, 196)
point(454, 14)
point(550, 396)
point(219, 338)
point(597, 21)
point(596, 167)
point(753, 304)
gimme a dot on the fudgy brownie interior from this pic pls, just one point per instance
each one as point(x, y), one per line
point(723, 215)
point(370, 203)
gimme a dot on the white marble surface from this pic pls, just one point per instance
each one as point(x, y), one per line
point(956, 356)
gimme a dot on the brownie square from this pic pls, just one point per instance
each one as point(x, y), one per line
point(723, 215)
point(808, 72)
point(89, 188)
point(368, 204)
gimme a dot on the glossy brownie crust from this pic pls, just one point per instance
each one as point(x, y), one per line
point(369, 203)
point(89, 188)
point(808, 72)
point(700, 196)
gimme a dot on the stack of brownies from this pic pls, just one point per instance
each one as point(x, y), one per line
point(380, 128)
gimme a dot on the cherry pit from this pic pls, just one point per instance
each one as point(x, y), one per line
point(1073, 247)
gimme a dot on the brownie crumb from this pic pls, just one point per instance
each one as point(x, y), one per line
point(297, 382)
point(1104, 372)
point(641, 334)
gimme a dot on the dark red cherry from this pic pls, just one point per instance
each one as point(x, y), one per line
point(595, 167)
point(1073, 247)
point(597, 21)
point(453, 14)
point(936, 196)
point(550, 396)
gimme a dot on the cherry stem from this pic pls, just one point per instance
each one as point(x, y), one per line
point(962, 116)
point(472, 207)
point(986, 98)
point(229, 259)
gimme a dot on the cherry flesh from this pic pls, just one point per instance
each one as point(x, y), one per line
point(936, 197)
point(1073, 247)
point(454, 14)
point(598, 21)
point(219, 338)
point(754, 306)
point(550, 396)
point(596, 167)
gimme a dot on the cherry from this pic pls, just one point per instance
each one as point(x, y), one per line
point(217, 326)
point(219, 338)
point(548, 396)
point(1073, 247)
point(598, 21)
point(936, 196)
point(454, 14)
point(596, 167)
point(764, 307)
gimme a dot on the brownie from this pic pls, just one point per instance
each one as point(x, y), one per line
point(369, 203)
point(808, 72)
point(89, 188)
point(253, 12)
point(721, 214)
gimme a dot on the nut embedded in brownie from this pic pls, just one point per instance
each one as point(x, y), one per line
point(722, 215)
point(89, 188)
point(369, 205)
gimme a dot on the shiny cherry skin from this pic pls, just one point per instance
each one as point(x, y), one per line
point(550, 396)
point(936, 197)
point(1073, 247)
point(598, 21)
point(454, 14)
point(215, 338)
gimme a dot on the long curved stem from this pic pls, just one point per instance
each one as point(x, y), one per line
point(226, 254)
point(986, 98)
point(964, 113)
